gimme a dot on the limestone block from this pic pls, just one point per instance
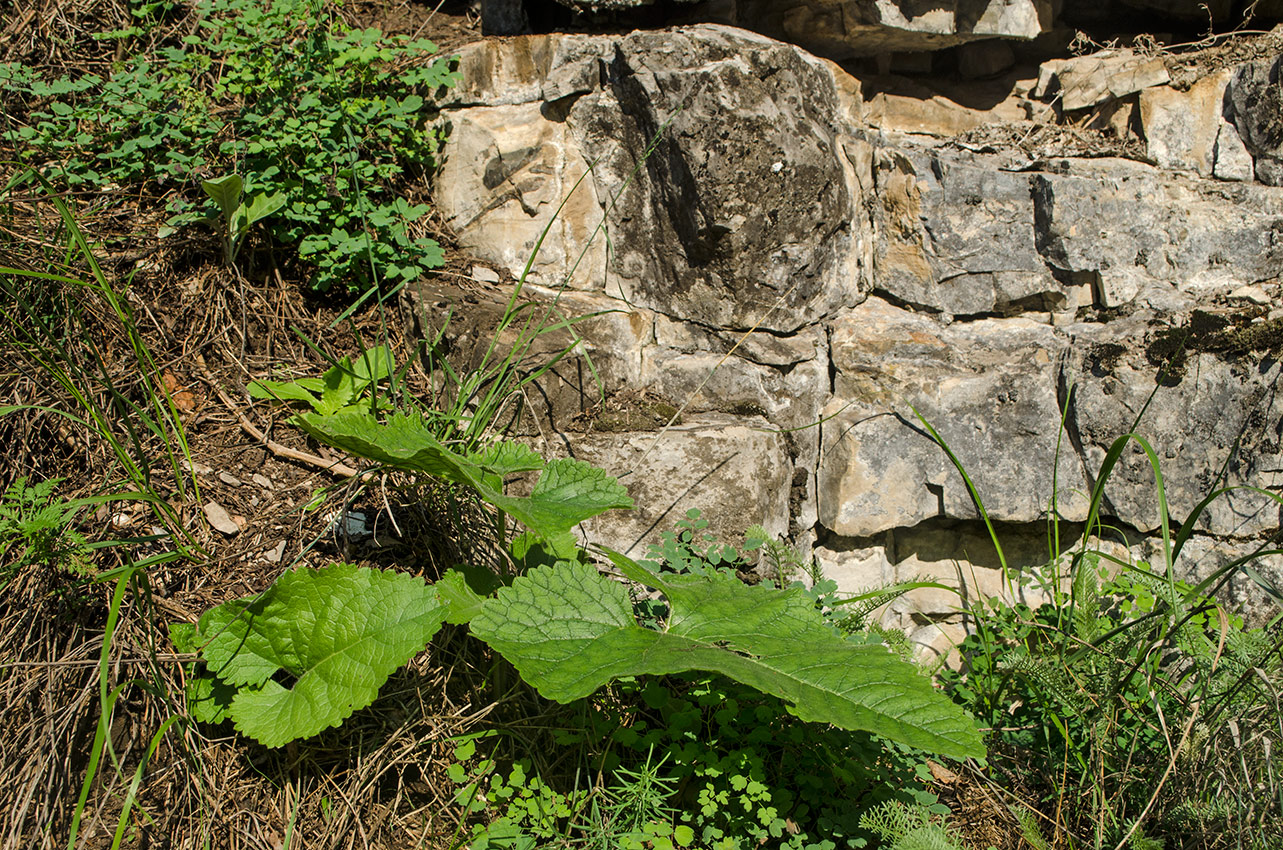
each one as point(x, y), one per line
point(1255, 101)
point(709, 228)
point(841, 29)
point(737, 475)
point(990, 389)
point(943, 107)
point(1210, 408)
point(1086, 81)
point(757, 347)
point(1181, 127)
point(506, 173)
point(525, 69)
point(958, 235)
point(937, 644)
point(1204, 556)
point(711, 382)
point(1155, 240)
point(856, 565)
point(1231, 159)
point(961, 556)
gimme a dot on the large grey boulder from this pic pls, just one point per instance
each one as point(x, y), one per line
point(1154, 240)
point(838, 29)
point(957, 236)
point(696, 148)
point(736, 473)
point(1213, 421)
point(989, 388)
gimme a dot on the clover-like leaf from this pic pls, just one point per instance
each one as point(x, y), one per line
point(569, 630)
point(332, 635)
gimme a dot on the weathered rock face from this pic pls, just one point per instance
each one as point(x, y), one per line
point(1256, 107)
point(708, 227)
point(798, 269)
point(841, 29)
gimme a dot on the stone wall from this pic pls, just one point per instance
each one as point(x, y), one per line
point(799, 259)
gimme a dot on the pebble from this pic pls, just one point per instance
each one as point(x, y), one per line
point(275, 554)
point(221, 520)
point(228, 478)
point(1251, 295)
point(262, 481)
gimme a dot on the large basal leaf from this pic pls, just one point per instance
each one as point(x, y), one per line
point(334, 635)
point(567, 492)
point(570, 630)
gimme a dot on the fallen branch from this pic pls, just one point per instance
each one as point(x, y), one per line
point(333, 466)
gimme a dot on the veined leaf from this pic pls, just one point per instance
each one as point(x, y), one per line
point(567, 493)
point(226, 192)
point(208, 697)
point(262, 205)
point(569, 630)
point(507, 458)
point(373, 365)
point(281, 391)
point(336, 634)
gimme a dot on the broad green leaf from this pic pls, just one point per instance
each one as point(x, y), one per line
point(461, 601)
point(262, 205)
point(570, 630)
point(208, 697)
point(567, 493)
point(226, 192)
point(341, 388)
point(334, 634)
point(281, 391)
point(373, 365)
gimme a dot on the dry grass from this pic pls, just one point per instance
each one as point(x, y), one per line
point(377, 783)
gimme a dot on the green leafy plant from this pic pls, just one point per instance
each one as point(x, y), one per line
point(1099, 696)
point(236, 215)
point(527, 809)
point(38, 528)
point(750, 771)
point(637, 811)
point(326, 121)
point(344, 385)
point(566, 628)
point(904, 827)
point(569, 630)
point(335, 634)
point(691, 548)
